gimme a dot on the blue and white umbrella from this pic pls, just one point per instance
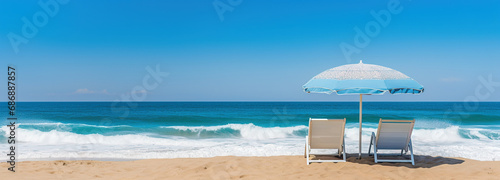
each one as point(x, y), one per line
point(367, 79)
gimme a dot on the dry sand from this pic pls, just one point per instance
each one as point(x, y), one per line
point(278, 167)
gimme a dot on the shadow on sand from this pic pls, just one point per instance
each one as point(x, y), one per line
point(421, 161)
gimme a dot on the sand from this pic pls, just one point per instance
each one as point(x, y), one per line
point(277, 167)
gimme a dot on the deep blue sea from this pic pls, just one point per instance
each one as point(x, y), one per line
point(138, 130)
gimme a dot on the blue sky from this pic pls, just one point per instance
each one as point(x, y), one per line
point(261, 50)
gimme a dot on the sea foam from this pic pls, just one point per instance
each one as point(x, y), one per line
point(246, 131)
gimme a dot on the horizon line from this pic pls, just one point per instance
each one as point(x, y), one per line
point(237, 101)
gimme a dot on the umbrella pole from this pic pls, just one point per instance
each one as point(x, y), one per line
point(360, 122)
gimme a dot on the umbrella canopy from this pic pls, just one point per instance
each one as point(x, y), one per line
point(362, 79)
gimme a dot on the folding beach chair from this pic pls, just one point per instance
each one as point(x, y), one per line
point(325, 134)
point(393, 135)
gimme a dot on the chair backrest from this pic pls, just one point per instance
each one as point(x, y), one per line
point(326, 133)
point(394, 134)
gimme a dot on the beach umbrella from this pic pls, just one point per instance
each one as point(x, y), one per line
point(362, 79)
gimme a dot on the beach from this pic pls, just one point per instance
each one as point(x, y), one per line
point(274, 167)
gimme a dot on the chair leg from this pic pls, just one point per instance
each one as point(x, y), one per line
point(369, 149)
point(375, 154)
point(307, 150)
point(411, 152)
point(307, 156)
point(343, 150)
point(372, 142)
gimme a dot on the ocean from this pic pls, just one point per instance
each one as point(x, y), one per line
point(140, 130)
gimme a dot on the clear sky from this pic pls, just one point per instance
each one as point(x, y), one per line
point(248, 50)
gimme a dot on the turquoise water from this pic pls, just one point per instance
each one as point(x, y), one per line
point(61, 130)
